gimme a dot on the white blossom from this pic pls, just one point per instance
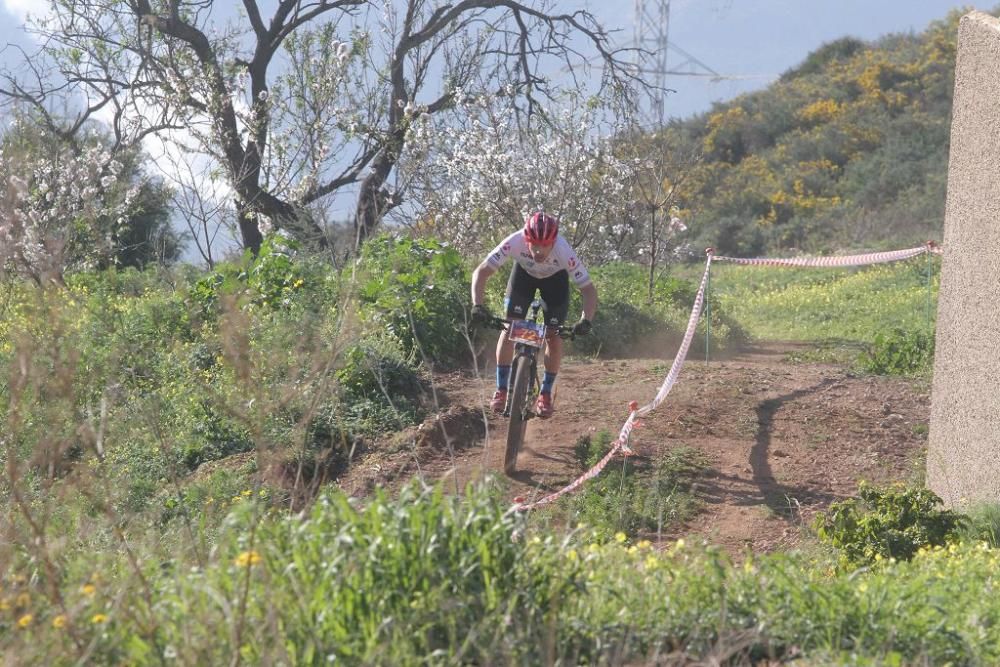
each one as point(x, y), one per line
point(38, 212)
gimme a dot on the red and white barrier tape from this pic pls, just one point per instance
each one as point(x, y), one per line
point(843, 260)
point(621, 444)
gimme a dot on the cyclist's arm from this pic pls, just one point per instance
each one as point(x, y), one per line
point(588, 296)
point(479, 277)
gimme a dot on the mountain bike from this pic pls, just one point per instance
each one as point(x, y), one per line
point(528, 336)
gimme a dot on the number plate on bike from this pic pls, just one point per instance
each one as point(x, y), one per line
point(529, 333)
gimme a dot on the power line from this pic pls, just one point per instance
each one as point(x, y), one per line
point(651, 40)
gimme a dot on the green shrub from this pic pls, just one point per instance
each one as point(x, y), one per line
point(628, 323)
point(820, 59)
point(635, 496)
point(277, 278)
point(899, 352)
point(381, 385)
point(434, 578)
point(425, 576)
point(417, 291)
point(887, 522)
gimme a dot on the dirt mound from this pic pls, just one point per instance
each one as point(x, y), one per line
point(784, 439)
point(427, 449)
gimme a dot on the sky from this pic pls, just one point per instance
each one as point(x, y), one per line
point(753, 41)
point(749, 42)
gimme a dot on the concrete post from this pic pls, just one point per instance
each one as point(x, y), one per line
point(963, 457)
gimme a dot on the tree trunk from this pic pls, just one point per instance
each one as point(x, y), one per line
point(374, 201)
point(653, 242)
point(284, 216)
point(369, 210)
point(249, 229)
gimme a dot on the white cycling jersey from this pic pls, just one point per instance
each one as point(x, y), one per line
point(562, 257)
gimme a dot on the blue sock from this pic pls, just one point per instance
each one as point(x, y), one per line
point(548, 380)
point(503, 377)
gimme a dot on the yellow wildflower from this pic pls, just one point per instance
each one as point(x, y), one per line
point(247, 559)
point(59, 622)
point(89, 590)
point(25, 621)
point(620, 537)
point(644, 544)
point(97, 619)
point(571, 554)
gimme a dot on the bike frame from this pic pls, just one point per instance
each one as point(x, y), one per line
point(525, 353)
point(529, 336)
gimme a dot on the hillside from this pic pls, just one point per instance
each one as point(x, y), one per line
point(847, 150)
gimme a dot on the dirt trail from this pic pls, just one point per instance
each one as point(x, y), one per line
point(783, 439)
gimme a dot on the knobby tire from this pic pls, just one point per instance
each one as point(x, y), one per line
point(518, 422)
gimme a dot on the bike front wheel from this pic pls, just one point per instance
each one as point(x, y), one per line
point(518, 422)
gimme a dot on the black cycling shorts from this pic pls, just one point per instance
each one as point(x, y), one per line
point(521, 291)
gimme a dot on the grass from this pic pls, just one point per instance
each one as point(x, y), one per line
point(635, 496)
point(435, 579)
point(845, 314)
point(824, 305)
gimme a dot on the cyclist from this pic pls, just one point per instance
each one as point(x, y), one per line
point(543, 260)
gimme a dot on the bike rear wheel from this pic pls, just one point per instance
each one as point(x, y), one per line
point(518, 422)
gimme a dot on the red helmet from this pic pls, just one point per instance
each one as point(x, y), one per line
point(541, 229)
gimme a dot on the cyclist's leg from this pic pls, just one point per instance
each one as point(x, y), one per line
point(555, 293)
point(520, 291)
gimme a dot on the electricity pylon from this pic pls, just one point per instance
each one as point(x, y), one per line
point(652, 44)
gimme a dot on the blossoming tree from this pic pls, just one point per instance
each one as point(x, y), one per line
point(64, 205)
point(587, 164)
point(312, 102)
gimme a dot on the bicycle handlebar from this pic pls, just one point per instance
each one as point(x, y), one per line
point(502, 324)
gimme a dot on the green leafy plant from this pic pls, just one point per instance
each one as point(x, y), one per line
point(629, 324)
point(381, 385)
point(887, 522)
point(633, 496)
point(416, 290)
point(899, 352)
